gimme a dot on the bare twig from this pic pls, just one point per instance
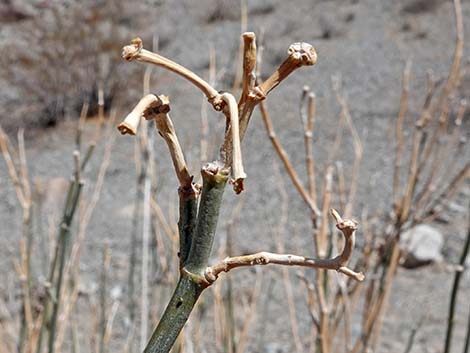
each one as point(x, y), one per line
point(135, 51)
point(286, 161)
point(299, 54)
point(399, 129)
point(338, 263)
point(235, 159)
point(249, 65)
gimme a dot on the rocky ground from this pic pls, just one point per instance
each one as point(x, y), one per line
point(367, 42)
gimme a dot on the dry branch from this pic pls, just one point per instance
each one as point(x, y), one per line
point(338, 263)
point(135, 51)
point(286, 161)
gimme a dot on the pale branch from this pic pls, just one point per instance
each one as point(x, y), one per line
point(233, 158)
point(399, 144)
point(5, 149)
point(308, 141)
point(286, 161)
point(132, 120)
point(249, 65)
point(338, 263)
point(156, 108)
point(135, 51)
point(299, 54)
point(358, 151)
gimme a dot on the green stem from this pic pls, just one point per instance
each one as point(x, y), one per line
point(64, 235)
point(192, 281)
point(453, 298)
point(187, 221)
point(175, 316)
point(201, 245)
point(467, 337)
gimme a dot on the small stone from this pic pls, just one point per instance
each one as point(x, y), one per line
point(422, 245)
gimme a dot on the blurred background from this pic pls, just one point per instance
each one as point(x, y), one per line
point(64, 87)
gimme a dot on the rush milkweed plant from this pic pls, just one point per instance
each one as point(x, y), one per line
point(199, 205)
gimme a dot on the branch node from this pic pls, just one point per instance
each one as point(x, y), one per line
point(130, 52)
point(303, 52)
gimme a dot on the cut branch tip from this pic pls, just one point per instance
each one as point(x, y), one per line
point(131, 51)
point(303, 52)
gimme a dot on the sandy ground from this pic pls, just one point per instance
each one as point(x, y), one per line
point(367, 42)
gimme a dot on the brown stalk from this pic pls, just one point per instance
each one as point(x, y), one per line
point(310, 299)
point(308, 140)
point(321, 243)
point(283, 219)
point(239, 73)
point(450, 153)
point(321, 238)
point(204, 157)
point(437, 205)
point(373, 321)
point(358, 150)
point(24, 168)
point(452, 82)
point(399, 130)
point(418, 134)
point(346, 307)
point(341, 185)
point(249, 66)
point(251, 313)
point(5, 147)
point(286, 161)
point(299, 54)
point(171, 233)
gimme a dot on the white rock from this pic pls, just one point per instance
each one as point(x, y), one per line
point(423, 244)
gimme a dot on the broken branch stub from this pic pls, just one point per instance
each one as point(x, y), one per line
point(300, 54)
point(132, 120)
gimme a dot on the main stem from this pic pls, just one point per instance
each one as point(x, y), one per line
point(192, 281)
point(453, 299)
point(175, 316)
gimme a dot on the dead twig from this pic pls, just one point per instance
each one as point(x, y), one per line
point(338, 263)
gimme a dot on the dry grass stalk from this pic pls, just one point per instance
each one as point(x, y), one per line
point(286, 161)
point(399, 129)
point(250, 313)
point(308, 140)
point(358, 150)
point(281, 228)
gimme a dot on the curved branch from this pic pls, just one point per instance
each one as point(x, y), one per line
point(338, 263)
point(233, 157)
point(135, 51)
point(286, 161)
point(156, 108)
